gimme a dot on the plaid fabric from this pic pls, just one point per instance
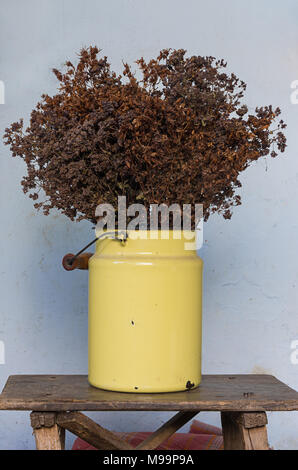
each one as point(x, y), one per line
point(197, 427)
point(201, 436)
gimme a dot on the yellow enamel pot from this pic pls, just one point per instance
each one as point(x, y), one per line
point(145, 304)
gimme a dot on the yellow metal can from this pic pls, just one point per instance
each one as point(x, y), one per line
point(145, 309)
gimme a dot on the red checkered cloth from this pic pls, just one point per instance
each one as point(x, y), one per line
point(201, 436)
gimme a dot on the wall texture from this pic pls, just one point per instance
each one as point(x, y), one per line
point(251, 276)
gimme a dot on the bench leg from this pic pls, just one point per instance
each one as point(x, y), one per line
point(244, 431)
point(48, 434)
point(102, 438)
point(91, 432)
point(166, 430)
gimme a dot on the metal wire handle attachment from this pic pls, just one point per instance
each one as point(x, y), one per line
point(68, 261)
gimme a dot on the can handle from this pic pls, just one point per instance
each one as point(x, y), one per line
point(80, 260)
point(70, 262)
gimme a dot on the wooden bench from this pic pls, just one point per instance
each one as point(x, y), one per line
point(56, 403)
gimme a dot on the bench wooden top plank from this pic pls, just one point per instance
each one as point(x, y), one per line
point(215, 393)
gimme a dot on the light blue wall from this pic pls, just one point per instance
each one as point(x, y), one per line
point(251, 275)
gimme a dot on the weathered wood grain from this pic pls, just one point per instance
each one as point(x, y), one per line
point(215, 393)
point(238, 437)
point(48, 434)
point(251, 419)
point(42, 420)
point(49, 438)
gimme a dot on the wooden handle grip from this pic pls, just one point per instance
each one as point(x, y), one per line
point(80, 262)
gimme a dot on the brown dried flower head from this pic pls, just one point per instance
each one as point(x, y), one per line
point(181, 134)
